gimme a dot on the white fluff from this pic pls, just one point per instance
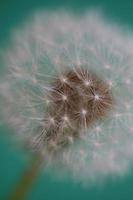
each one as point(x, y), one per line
point(39, 50)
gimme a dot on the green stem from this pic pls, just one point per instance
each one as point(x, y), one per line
point(27, 179)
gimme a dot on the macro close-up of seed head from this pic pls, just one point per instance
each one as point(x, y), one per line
point(67, 93)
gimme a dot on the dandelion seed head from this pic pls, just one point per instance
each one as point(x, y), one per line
point(68, 83)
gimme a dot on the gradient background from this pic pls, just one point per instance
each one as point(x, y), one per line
point(12, 13)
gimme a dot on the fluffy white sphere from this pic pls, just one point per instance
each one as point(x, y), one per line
point(40, 50)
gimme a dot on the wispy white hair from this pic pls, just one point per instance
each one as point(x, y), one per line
point(40, 50)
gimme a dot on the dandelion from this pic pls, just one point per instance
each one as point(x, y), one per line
point(67, 92)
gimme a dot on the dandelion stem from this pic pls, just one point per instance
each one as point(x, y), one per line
point(27, 179)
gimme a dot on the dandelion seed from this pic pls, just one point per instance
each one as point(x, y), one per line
point(64, 97)
point(87, 83)
point(65, 118)
point(96, 97)
point(51, 119)
point(47, 101)
point(83, 112)
point(64, 80)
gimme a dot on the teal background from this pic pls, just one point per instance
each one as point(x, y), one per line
point(12, 162)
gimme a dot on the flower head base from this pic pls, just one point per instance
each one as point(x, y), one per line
point(84, 97)
point(75, 105)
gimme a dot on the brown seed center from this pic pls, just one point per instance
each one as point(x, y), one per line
point(81, 97)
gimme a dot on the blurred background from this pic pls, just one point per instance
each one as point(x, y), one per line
point(12, 162)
